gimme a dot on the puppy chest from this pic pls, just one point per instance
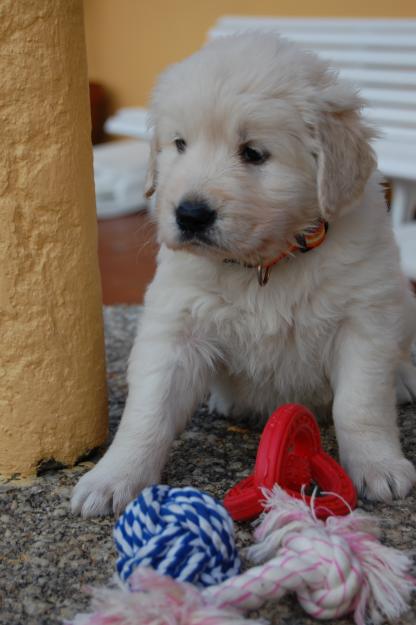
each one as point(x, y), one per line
point(291, 357)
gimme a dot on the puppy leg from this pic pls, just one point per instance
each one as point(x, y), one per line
point(168, 376)
point(365, 418)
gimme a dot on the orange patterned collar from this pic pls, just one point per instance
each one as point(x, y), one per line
point(306, 241)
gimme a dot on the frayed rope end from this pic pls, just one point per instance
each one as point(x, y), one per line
point(151, 598)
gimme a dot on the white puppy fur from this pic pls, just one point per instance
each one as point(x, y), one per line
point(332, 328)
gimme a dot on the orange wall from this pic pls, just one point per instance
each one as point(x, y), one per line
point(130, 41)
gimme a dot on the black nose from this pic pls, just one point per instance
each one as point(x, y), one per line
point(194, 217)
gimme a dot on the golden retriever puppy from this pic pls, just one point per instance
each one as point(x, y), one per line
point(259, 154)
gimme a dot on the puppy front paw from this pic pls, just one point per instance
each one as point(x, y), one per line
point(382, 480)
point(108, 488)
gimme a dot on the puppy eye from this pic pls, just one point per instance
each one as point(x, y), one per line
point(180, 145)
point(253, 156)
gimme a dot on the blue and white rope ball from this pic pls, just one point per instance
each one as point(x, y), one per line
point(180, 532)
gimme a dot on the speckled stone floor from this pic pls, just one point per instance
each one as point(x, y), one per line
point(47, 555)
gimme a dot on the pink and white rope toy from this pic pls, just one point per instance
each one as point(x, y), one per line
point(335, 567)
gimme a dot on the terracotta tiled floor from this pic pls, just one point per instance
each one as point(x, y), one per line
point(127, 251)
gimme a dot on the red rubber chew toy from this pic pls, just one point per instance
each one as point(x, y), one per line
point(290, 454)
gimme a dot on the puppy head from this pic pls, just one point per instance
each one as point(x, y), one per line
point(254, 140)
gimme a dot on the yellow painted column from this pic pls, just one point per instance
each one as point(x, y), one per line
point(52, 373)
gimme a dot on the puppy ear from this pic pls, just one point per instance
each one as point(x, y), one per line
point(345, 157)
point(151, 176)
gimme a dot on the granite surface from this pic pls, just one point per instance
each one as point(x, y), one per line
point(48, 555)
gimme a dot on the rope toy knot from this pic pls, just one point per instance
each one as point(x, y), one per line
point(180, 532)
point(329, 574)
